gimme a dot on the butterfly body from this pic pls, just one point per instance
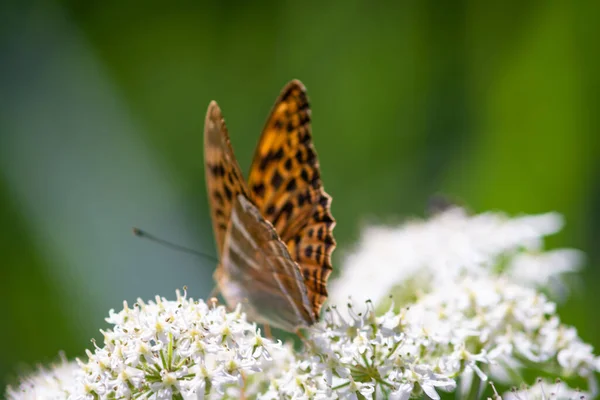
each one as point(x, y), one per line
point(274, 234)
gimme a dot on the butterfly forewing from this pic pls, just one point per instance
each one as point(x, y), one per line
point(224, 179)
point(257, 270)
point(285, 184)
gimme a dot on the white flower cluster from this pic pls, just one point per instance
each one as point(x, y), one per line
point(370, 356)
point(56, 382)
point(178, 349)
point(471, 280)
point(546, 391)
point(472, 327)
point(508, 326)
point(466, 308)
point(450, 245)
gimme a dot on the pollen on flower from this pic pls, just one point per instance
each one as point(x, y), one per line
point(169, 379)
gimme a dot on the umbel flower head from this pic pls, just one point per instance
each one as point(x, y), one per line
point(177, 349)
point(544, 390)
point(471, 314)
point(425, 255)
point(361, 354)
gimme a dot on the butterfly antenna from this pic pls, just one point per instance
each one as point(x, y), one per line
point(143, 234)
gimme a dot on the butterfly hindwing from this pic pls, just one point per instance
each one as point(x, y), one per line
point(285, 184)
point(224, 179)
point(258, 270)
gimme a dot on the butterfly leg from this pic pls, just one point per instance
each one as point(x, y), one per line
point(244, 382)
point(307, 343)
point(301, 335)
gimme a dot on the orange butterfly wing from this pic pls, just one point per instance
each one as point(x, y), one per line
point(255, 266)
point(224, 178)
point(285, 184)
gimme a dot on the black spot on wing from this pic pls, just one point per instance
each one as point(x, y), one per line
point(310, 155)
point(259, 189)
point(291, 127)
point(228, 193)
point(276, 180)
point(303, 198)
point(288, 164)
point(271, 156)
point(304, 117)
point(308, 250)
point(318, 253)
point(291, 185)
point(304, 175)
point(315, 181)
point(324, 201)
point(218, 197)
point(270, 210)
point(217, 170)
point(278, 155)
point(231, 178)
point(285, 212)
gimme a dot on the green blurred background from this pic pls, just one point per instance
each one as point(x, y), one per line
point(102, 107)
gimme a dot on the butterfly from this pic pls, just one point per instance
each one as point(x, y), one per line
point(273, 233)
